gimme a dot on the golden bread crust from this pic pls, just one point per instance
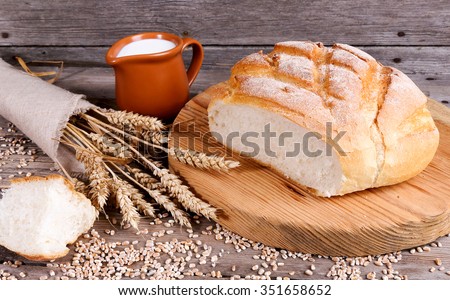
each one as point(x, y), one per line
point(390, 135)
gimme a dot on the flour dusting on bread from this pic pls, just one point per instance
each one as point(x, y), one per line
point(303, 86)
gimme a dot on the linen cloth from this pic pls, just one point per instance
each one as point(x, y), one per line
point(41, 111)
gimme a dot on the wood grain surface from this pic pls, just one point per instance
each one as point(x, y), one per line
point(430, 73)
point(93, 23)
point(264, 206)
point(416, 266)
point(410, 35)
point(431, 60)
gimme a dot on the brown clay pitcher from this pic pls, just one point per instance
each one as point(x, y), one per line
point(151, 78)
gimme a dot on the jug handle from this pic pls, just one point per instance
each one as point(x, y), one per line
point(197, 58)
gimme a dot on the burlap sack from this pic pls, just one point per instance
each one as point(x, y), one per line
point(40, 110)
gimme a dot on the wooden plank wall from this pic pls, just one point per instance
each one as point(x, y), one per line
point(412, 35)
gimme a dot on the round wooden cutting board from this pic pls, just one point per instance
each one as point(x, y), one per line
point(264, 206)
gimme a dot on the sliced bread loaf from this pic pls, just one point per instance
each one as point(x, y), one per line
point(39, 216)
point(330, 118)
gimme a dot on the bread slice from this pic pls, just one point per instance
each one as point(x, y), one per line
point(379, 130)
point(39, 216)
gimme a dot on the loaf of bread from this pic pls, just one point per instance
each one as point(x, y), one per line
point(39, 216)
point(358, 124)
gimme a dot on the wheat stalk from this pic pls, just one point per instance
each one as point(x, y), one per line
point(138, 200)
point(102, 127)
point(151, 184)
point(203, 161)
point(136, 196)
point(181, 192)
point(145, 179)
point(99, 179)
point(156, 137)
point(102, 143)
point(135, 121)
point(80, 186)
point(174, 186)
point(107, 146)
point(144, 183)
point(191, 157)
point(124, 201)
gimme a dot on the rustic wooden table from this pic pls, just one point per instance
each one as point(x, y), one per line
point(80, 32)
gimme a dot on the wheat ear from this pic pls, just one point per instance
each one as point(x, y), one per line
point(135, 121)
point(203, 161)
point(109, 129)
point(138, 200)
point(151, 184)
point(173, 184)
point(80, 186)
point(136, 196)
point(144, 178)
point(155, 137)
point(181, 192)
point(98, 177)
point(124, 202)
point(107, 146)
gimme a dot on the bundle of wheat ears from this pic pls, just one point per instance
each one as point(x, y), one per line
point(121, 153)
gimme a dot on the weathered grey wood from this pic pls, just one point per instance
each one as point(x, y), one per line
point(429, 60)
point(429, 67)
point(9, 168)
point(98, 83)
point(93, 23)
point(80, 32)
point(415, 266)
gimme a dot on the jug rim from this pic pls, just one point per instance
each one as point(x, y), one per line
point(113, 51)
